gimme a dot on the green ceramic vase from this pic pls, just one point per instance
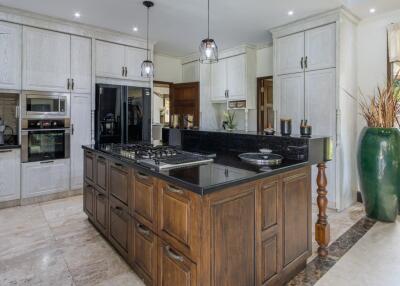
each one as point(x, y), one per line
point(378, 162)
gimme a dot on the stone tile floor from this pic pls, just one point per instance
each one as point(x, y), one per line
point(53, 243)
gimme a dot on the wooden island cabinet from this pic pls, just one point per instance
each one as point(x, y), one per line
point(256, 233)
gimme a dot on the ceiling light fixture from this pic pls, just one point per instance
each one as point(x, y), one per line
point(135, 29)
point(208, 47)
point(147, 65)
point(77, 15)
point(291, 13)
point(372, 10)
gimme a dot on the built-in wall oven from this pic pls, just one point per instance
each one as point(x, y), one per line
point(37, 104)
point(45, 139)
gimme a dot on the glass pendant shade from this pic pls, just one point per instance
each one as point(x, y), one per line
point(208, 51)
point(147, 69)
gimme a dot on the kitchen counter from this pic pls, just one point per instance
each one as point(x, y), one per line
point(226, 170)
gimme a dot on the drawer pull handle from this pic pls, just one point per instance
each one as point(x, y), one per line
point(172, 254)
point(88, 152)
point(174, 190)
point(5, 151)
point(142, 176)
point(46, 162)
point(142, 229)
point(101, 157)
point(101, 196)
point(118, 165)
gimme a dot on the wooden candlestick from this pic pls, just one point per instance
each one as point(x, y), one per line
point(322, 228)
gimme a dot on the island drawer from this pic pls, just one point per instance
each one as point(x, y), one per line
point(89, 166)
point(144, 200)
point(101, 212)
point(101, 173)
point(89, 200)
point(179, 214)
point(119, 234)
point(119, 181)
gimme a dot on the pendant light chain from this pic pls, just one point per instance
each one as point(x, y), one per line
point(148, 27)
point(208, 20)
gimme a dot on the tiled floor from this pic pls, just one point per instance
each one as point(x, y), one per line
point(54, 244)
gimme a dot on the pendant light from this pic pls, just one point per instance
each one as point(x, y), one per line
point(208, 47)
point(147, 65)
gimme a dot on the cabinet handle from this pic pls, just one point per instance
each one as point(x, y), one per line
point(5, 151)
point(118, 165)
point(142, 229)
point(227, 93)
point(302, 63)
point(142, 176)
point(172, 254)
point(72, 129)
point(126, 71)
point(46, 162)
point(101, 158)
point(68, 84)
point(306, 62)
point(72, 84)
point(174, 190)
point(101, 196)
point(123, 71)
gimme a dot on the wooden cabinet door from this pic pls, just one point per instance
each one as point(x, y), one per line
point(236, 77)
point(101, 212)
point(10, 174)
point(101, 173)
point(134, 58)
point(144, 200)
point(174, 268)
point(89, 166)
point(46, 60)
point(143, 253)
point(80, 135)
point(291, 99)
point(81, 64)
point(320, 48)
point(178, 218)
point(110, 59)
point(89, 200)
point(119, 226)
point(296, 198)
point(119, 181)
point(218, 81)
point(10, 56)
point(290, 51)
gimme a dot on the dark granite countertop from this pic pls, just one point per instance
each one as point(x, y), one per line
point(226, 171)
point(4, 147)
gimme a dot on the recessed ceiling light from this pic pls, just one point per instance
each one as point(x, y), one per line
point(290, 13)
point(77, 15)
point(372, 10)
point(135, 29)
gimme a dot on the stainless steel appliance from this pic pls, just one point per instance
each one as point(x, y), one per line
point(45, 139)
point(261, 159)
point(37, 104)
point(157, 157)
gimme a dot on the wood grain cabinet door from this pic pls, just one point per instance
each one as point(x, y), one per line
point(101, 212)
point(179, 212)
point(101, 173)
point(119, 227)
point(144, 201)
point(143, 252)
point(119, 181)
point(89, 166)
point(174, 268)
point(88, 200)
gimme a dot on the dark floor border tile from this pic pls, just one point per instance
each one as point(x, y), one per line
point(319, 266)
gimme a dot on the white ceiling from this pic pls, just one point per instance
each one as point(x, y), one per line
point(178, 26)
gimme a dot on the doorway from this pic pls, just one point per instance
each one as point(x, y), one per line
point(185, 100)
point(265, 109)
point(161, 105)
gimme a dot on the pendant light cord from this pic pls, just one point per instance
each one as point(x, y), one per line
point(148, 24)
point(208, 19)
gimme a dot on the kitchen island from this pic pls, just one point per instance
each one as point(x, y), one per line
point(221, 223)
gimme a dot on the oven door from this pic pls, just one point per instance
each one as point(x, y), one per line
point(45, 144)
point(39, 105)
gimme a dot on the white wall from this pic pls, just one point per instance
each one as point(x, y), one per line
point(167, 69)
point(265, 62)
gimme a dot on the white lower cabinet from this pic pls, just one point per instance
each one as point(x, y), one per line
point(43, 178)
point(10, 162)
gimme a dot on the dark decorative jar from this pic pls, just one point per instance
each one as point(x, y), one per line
point(378, 162)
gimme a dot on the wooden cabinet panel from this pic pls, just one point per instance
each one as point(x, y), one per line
point(290, 52)
point(89, 200)
point(101, 173)
point(178, 219)
point(101, 212)
point(10, 174)
point(174, 268)
point(119, 181)
point(236, 77)
point(269, 258)
point(144, 252)
point(144, 200)
point(110, 59)
point(134, 58)
point(119, 233)
point(81, 64)
point(269, 204)
point(297, 215)
point(218, 81)
point(89, 171)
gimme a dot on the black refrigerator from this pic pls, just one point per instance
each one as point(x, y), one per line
point(123, 114)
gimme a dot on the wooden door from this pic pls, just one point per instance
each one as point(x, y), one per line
point(89, 201)
point(134, 58)
point(119, 185)
point(265, 110)
point(10, 56)
point(10, 174)
point(119, 228)
point(291, 96)
point(101, 212)
point(110, 60)
point(101, 173)
point(185, 99)
point(236, 77)
point(81, 65)
point(320, 48)
point(290, 52)
point(218, 81)
point(46, 60)
point(80, 135)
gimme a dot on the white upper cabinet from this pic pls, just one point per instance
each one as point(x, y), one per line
point(110, 60)
point(81, 64)
point(191, 72)
point(320, 48)
point(236, 77)
point(291, 54)
point(10, 56)
point(134, 58)
point(219, 81)
point(10, 161)
point(46, 60)
point(291, 96)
